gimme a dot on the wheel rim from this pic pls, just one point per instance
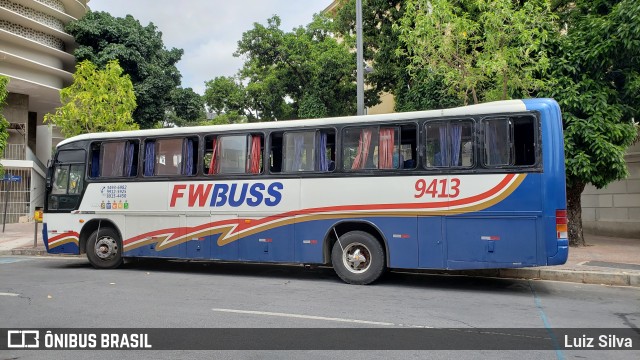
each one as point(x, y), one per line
point(356, 258)
point(106, 248)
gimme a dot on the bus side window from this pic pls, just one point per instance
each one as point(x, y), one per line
point(326, 160)
point(188, 166)
point(254, 160)
point(149, 157)
point(233, 154)
point(170, 157)
point(275, 152)
point(372, 148)
point(303, 151)
point(408, 148)
point(510, 141)
point(211, 151)
point(114, 159)
point(524, 138)
point(449, 144)
point(299, 151)
point(498, 142)
point(357, 149)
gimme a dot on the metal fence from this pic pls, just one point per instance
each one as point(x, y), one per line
point(14, 152)
point(15, 195)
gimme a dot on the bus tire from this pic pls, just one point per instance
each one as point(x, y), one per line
point(104, 249)
point(358, 258)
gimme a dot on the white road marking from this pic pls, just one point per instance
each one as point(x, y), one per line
point(311, 317)
point(8, 294)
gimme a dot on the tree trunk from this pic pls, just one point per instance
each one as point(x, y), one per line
point(574, 213)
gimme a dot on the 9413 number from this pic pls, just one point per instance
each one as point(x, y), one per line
point(440, 188)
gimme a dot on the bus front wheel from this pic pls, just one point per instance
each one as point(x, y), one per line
point(358, 258)
point(104, 249)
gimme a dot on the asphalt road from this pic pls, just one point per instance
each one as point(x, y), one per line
point(55, 292)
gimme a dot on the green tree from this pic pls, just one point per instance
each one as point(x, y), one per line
point(298, 74)
point(187, 108)
point(4, 125)
point(97, 101)
point(420, 90)
point(595, 77)
point(225, 95)
point(484, 50)
point(141, 53)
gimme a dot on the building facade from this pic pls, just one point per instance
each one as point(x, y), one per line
point(615, 209)
point(37, 56)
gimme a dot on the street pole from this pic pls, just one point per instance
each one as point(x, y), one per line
point(6, 202)
point(360, 59)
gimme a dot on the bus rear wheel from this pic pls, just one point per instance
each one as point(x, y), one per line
point(104, 249)
point(358, 258)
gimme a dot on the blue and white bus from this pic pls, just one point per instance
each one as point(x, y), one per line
point(473, 187)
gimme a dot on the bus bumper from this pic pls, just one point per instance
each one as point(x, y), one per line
point(65, 243)
point(561, 256)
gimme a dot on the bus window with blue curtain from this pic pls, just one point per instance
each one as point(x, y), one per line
point(189, 153)
point(149, 157)
point(325, 150)
point(449, 143)
point(299, 151)
point(114, 159)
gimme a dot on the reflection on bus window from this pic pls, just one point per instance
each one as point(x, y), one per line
point(60, 180)
point(75, 179)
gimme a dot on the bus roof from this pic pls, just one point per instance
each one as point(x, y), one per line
point(505, 106)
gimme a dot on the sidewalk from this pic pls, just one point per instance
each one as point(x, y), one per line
point(606, 260)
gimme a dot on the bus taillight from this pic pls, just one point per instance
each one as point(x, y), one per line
point(561, 224)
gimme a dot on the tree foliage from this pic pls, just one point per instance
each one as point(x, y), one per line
point(186, 108)
point(4, 124)
point(380, 42)
point(141, 53)
point(383, 52)
point(300, 74)
point(595, 77)
point(97, 101)
point(225, 95)
point(483, 50)
point(583, 53)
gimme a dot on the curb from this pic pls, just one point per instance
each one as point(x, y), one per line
point(24, 252)
point(575, 276)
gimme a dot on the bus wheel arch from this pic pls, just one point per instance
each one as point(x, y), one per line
point(358, 238)
point(102, 234)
